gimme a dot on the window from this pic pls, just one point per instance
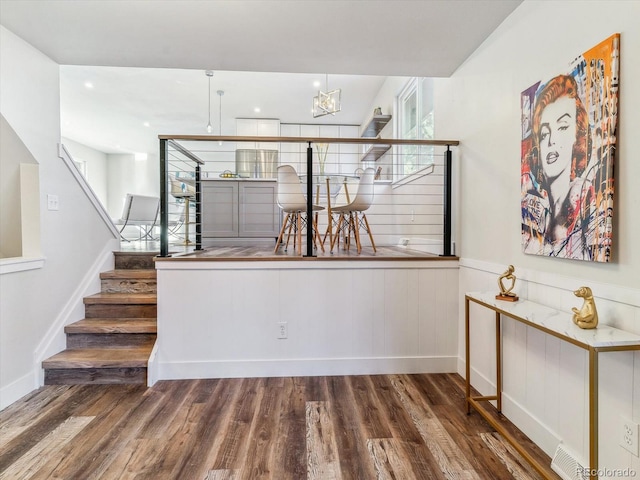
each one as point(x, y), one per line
point(415, 111)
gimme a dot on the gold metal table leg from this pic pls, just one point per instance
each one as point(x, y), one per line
point(467, 350)
point(498, 363)
point(593, 413)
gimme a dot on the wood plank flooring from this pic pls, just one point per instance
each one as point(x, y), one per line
point(319, 428)
point(265, 253)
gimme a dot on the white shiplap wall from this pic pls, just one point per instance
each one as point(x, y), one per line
point(343, 318)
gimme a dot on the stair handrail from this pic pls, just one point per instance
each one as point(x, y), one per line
point(64, 154)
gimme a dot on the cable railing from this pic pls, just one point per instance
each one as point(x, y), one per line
point(225, 190)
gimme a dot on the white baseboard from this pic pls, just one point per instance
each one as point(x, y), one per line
point(537, 431)
point(424, 245)
point(16, 390)
point(152, 367)
point(304, 367)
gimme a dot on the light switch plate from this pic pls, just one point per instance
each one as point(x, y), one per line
point(52, 202)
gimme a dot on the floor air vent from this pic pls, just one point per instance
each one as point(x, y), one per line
point(566, 465)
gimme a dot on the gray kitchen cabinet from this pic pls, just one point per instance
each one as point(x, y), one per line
point(239, 211)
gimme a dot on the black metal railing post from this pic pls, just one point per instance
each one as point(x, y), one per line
point(164, 200)
point(446, 238)
point(309, 201)
point(198, 209)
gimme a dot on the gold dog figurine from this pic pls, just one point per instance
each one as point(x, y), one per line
point(587, 316)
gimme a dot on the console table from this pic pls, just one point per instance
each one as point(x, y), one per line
point(560, 325)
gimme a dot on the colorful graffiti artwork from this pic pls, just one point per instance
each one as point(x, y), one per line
point(567, 158)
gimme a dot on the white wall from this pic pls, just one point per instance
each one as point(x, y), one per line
point(128, 175)
point(73, 237)
point(479, 105)
point(96, 166)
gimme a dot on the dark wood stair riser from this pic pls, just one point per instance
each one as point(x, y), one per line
point(132, 260)
point(120, 311)
point(81, 376)
point(103, 340)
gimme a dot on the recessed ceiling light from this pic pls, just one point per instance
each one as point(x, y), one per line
point(88, 85)
point(316, 83)
point(146, 124)
point(257, 109)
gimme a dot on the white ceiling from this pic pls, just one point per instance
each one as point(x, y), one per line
point(358, 42)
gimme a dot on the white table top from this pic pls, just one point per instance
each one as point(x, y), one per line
point(559, 323)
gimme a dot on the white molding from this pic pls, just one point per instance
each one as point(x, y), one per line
point(64, 154)
point(20, 264)
point(16, 390)
point(537, 431)
point(541, 434)
point(420, 244)
point(54, 339)
point(615, 293)
point(297, 367)
point(153, 370)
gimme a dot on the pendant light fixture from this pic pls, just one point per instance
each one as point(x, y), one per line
point(209, 73)
point(328, 102)
point(220, 94)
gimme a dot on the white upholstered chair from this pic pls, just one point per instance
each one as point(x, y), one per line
point(140, 211)
point(352, 217)
point(294, 204)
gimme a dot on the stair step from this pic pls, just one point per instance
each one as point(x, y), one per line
point(98, 365)
point(128, 281)
point(121, 299)
point(123, 273)
point(96, 376)
point(130, 357)
point(111, 332)
point(113, 325)
point(121, 305)
point(109, 340)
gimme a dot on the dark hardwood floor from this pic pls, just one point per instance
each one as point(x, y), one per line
point(265, 252)
point(358, 427)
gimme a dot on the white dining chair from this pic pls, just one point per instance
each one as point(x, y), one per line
point(183, 191)
point(352, 217)
point(294, 204)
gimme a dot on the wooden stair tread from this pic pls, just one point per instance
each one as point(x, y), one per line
point(113, 325)
point(129, 273)
point(124, 357)
point(122, 298)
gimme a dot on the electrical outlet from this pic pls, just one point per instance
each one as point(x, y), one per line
point(282, 330)
point(629, 435)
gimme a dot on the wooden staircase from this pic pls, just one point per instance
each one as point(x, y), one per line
point(112, 344)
